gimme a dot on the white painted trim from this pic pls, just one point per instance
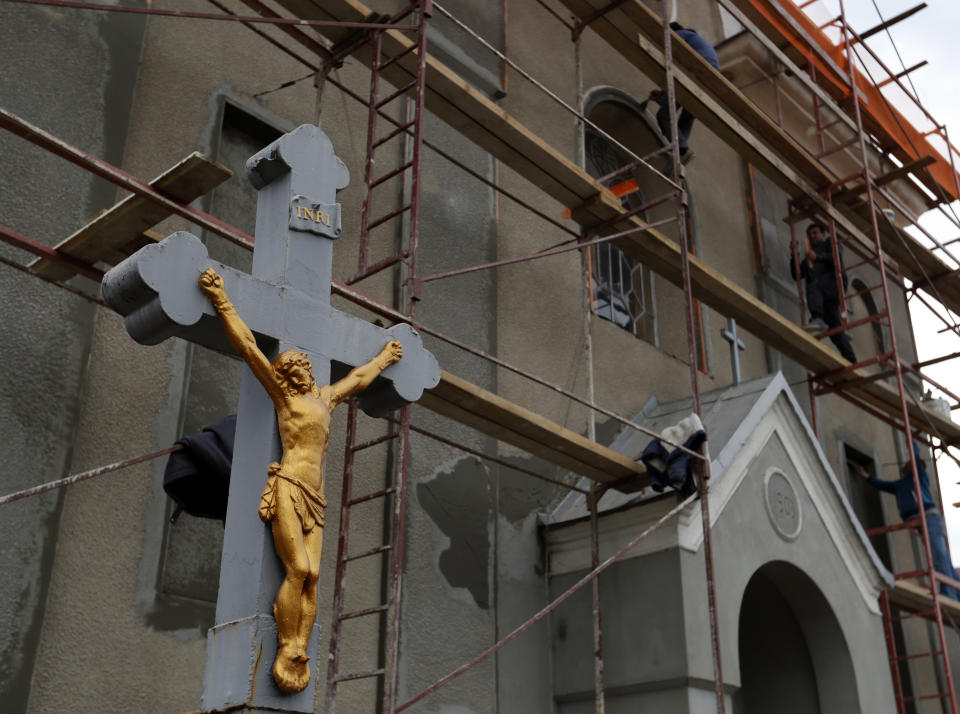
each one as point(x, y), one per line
point(841, 525)
point(776, 412)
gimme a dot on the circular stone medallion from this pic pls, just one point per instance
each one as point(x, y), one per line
point(783, 508)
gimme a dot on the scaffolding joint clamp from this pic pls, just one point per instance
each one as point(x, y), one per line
point(415, 286)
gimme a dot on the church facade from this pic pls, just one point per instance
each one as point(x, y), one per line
point(109, 598)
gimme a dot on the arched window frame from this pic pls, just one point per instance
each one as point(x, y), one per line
point(640, 293)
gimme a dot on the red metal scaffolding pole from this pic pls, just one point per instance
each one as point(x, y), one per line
point(703, 472)
point(942, 651)
point(407, 256)
point(193, 15)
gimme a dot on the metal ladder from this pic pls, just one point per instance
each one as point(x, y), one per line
point(409, 130)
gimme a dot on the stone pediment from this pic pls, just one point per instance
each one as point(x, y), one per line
point(757, 431)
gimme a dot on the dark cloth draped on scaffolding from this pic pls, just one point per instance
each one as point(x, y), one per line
point(197, 477)
point(673, 467)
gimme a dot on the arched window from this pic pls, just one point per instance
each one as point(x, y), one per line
point(869, 302)
point(622, 288)
point(625, 291)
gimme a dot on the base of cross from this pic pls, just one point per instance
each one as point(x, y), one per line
point(240, 655)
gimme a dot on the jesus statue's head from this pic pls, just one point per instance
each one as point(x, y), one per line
point(294, 372)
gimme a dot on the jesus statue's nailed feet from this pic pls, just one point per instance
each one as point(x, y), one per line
point(291, 671)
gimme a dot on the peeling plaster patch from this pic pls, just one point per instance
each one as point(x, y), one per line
point(459, 501)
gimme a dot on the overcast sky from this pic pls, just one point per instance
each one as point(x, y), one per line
point(928, 35)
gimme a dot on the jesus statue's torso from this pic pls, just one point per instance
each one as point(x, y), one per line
point(304, 433)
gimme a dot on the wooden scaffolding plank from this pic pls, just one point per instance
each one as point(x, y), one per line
point(114, 233)
point(453, 100)
point(490, 414)
point(916, 598)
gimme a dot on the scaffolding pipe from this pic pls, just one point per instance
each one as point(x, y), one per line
point(599, 698)
point(11, 237)
point(553, 605)
point(703, 470)
point(99, 167)
point(190, 14)
point(495, 459)
point(84, 475)
point(546, 253)
point(63, 286)
point(905, 415)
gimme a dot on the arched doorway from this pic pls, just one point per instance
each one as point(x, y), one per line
point(793, 656)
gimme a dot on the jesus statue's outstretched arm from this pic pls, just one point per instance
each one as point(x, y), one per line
point(362, 377)
point(239, 334)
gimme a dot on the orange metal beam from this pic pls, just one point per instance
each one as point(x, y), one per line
point(783, 19)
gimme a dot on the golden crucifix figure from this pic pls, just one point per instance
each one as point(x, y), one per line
point(293, 500)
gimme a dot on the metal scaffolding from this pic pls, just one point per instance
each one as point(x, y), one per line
point(412, 22)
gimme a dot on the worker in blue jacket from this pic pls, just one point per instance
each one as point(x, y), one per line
point(905, 494)
point(685, 119)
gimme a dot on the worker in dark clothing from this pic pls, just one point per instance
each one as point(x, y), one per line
point(819, 275)
point(685, 119)
point(905, 494)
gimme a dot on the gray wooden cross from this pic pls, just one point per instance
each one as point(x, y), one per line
point(286, 304)
point(736, 346)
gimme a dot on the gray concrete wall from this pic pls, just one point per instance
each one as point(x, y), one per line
point(452, 526)
point(72, 74)
point(643, 637)
point(473, 565)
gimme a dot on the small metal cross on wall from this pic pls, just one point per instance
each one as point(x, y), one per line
point(736, 346)
point(286, 304)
